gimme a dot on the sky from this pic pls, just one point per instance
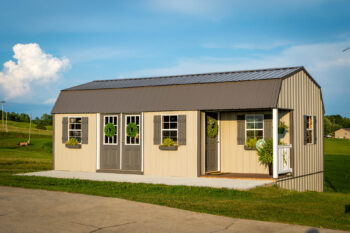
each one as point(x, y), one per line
point(47, 46)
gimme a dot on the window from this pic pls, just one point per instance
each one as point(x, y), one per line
point(254, 126)
point(132, 140)
point(169, 127)
point(111, 140)
point(74, 128)
point(309, 130)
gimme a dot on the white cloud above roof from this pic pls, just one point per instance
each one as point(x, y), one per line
point(33, 66)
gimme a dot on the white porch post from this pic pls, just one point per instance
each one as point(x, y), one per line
point(275, 141)
point(98, 141)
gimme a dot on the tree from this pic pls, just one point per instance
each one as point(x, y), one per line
point(327, 126)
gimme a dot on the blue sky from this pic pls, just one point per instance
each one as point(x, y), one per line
point(72, 42)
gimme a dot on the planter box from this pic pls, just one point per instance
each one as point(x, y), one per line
point(167, 147)
point(78, 146)
point(247, 148)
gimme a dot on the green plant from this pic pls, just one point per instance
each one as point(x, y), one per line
point(132, 130)
point(265, 153)
point(109, 130)
point(168, 142)
point(251, 143)
point(282, 127)
point(212, 127)
point(72, 142)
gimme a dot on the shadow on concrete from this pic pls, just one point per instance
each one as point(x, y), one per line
point(312, 230)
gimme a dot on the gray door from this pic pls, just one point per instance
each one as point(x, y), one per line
point(110, 146)
point(131, 146)
point(211, 145)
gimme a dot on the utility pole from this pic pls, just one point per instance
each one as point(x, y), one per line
point(2, 113)
point(30, 126)
point(7, 130)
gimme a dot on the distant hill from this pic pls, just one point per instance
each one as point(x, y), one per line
point(23, 127)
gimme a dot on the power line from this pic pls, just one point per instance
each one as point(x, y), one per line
point(346, 49)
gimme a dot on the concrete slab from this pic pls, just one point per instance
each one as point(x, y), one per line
point(28, 210)
point(240, 184)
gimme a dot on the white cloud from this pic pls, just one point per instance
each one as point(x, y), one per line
point(50, 101)
point(246, 46)
point(33, 66)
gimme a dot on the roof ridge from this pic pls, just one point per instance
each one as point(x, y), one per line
point(198, 74)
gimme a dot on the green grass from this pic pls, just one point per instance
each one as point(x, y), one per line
point(337, 165)
point(265, 203)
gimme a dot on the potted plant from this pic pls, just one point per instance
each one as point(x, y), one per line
point(251, 144)
point(282, 128)
point(73, 143)
point(168, 144)
point(265, 154)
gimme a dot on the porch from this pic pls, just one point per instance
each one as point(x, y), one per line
point(227, 153)
point(238, 184)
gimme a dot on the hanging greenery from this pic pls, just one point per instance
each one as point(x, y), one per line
point(132, 130)
point(109, 130)
point(212, 127)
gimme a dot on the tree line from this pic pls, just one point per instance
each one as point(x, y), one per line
point(41, 122)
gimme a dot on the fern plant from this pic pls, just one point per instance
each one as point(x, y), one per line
point(265, 154)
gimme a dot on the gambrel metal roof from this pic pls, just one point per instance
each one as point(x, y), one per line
point(237, 90)
point(233, 76)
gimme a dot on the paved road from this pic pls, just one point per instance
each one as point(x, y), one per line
point(27, 210)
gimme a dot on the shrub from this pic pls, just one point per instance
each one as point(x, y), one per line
point(40, 126)
point(72, 141)
point(251, 143)
point(168, 142)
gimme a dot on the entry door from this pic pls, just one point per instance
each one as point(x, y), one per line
point(131, 146)
point(110, 146)
point(211, 145)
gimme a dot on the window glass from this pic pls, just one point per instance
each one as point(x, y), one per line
point(111, 140)
point(170, 127)
point(74, 128)
point(132, 140)
point(309, 130)
point(255, 126)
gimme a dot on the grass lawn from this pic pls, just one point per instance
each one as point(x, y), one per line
point(270, 204)
point(337, 165)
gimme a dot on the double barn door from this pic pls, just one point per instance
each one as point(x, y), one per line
point(120, 152)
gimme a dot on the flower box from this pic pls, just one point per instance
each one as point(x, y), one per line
point(77, 146)
point(161, 147)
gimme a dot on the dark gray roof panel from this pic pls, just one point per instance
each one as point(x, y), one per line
point(234, 76)
point(256, 94)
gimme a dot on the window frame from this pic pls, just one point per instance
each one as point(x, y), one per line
point(81, 127)
point(246, 129)
point(177, 127)
point(125, 126)
point(312, 129)
point(116, 132)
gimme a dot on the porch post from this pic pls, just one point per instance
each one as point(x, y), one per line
point(98, 141)
point(275, 141)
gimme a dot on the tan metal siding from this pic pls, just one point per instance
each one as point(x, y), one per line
point(234, 158)
point(184, 161)
point(83, 159)
point(301, 94)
